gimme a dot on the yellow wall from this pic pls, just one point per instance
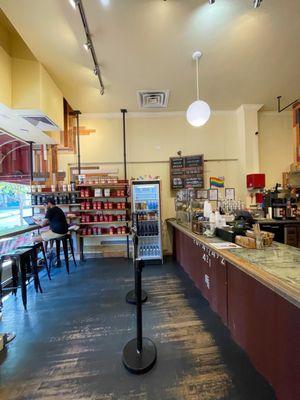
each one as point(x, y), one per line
point(51, 98)
point(275, 145)
point(5, 78)
point(150, 143)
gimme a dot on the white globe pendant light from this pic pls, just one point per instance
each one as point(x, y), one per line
point(198, 112)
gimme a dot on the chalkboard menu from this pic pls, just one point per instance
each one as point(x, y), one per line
point(187, 172)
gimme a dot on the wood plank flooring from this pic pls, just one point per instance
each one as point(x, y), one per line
point(69, 343)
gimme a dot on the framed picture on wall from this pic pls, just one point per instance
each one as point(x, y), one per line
point(229, 193)
point(213, 194)
point(202, 194)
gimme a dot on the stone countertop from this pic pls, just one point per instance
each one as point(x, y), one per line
point(277, 266)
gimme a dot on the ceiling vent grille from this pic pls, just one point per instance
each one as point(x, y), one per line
point(153, 99)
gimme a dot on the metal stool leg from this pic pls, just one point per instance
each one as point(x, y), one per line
point(34, 257)
point(65, 247)
point(45, 260)
point(57, 246)
point(72, 249)
point(22, 271)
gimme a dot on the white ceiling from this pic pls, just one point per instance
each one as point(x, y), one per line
point(249, 55)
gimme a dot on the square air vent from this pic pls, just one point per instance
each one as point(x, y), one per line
point(149, 99)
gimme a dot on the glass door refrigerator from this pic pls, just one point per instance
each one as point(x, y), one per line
point(146, 207)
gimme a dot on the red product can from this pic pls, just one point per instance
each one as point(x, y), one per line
point(111, 230)
point(96, 218)
point(81, 192)
point(105, 218)
point(89, 231)
point(118, 193)
point(119, 206)
point(110, 206)
point(119, 230)
point(105, 206)
point(119, 217)
point(94, 205)
point(83, 232)
point(123, 230)
point(99, 205)
point(83, 218)
point(88, 205)
point(101, 218)
point(86, 193)
point(123, 217)
point(88, 218)
point(110, 218)
point(82, 206)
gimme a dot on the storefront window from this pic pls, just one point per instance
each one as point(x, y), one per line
point(14, 181)
point(14, 204)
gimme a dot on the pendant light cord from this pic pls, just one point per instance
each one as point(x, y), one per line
point(197, 75)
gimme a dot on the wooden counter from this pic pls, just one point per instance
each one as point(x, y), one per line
point(17, 230)
point(256, 294)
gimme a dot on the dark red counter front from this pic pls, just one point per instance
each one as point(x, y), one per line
point(262, 322)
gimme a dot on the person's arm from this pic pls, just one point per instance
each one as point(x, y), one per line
point(41, 222)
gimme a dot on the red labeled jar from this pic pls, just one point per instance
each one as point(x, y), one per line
point(110, 218)
point(101, 218)
point(86, 193)
point(106, 218)
point(105, 206)
point(123, 230)
point(99, 205)
point(119, 230)
point(83, 218)
point(96, 218)
point(81, 192)
point(111, 230)
point(89, 231)
point(119, 217)
point(82, 206)
point(123, 206)
point(88, 205)
point(110, 206)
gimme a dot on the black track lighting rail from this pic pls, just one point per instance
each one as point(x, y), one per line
point(279, 109)
point(91, 47)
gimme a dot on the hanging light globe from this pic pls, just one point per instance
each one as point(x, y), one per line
point(198, 113)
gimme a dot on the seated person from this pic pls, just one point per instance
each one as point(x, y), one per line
point(56, 219)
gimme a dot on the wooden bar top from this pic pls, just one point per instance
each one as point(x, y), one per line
point(17, 230)
point(277, 266)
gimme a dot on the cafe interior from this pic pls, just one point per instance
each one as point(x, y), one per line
point(149, 199)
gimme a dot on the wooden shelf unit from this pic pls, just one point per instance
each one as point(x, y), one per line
point(114, 199)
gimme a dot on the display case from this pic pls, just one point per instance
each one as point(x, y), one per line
point(189, 210)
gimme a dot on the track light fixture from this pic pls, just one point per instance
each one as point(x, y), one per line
point(73, 3)
point(89, 42)
point(87, 45)
point(257, 3)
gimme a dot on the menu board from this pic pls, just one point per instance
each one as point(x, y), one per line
point(187, 172)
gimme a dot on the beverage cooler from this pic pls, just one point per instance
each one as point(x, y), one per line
point(147, 211)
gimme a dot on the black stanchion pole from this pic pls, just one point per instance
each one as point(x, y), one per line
point(131, 295)
point(139, 354)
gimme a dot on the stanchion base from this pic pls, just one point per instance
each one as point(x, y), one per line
point(139, 363)
point(131, 298)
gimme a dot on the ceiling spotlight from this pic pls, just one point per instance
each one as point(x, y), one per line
point(211, 1)
point(257, 3)
point(87, 45)
point(73, 3)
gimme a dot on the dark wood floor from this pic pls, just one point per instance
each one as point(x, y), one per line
point(69, 343)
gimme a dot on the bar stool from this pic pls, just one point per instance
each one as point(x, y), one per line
point(24, 267)
point(64, 240)
point(35, 248)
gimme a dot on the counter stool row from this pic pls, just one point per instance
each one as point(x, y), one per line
point(25, 265)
